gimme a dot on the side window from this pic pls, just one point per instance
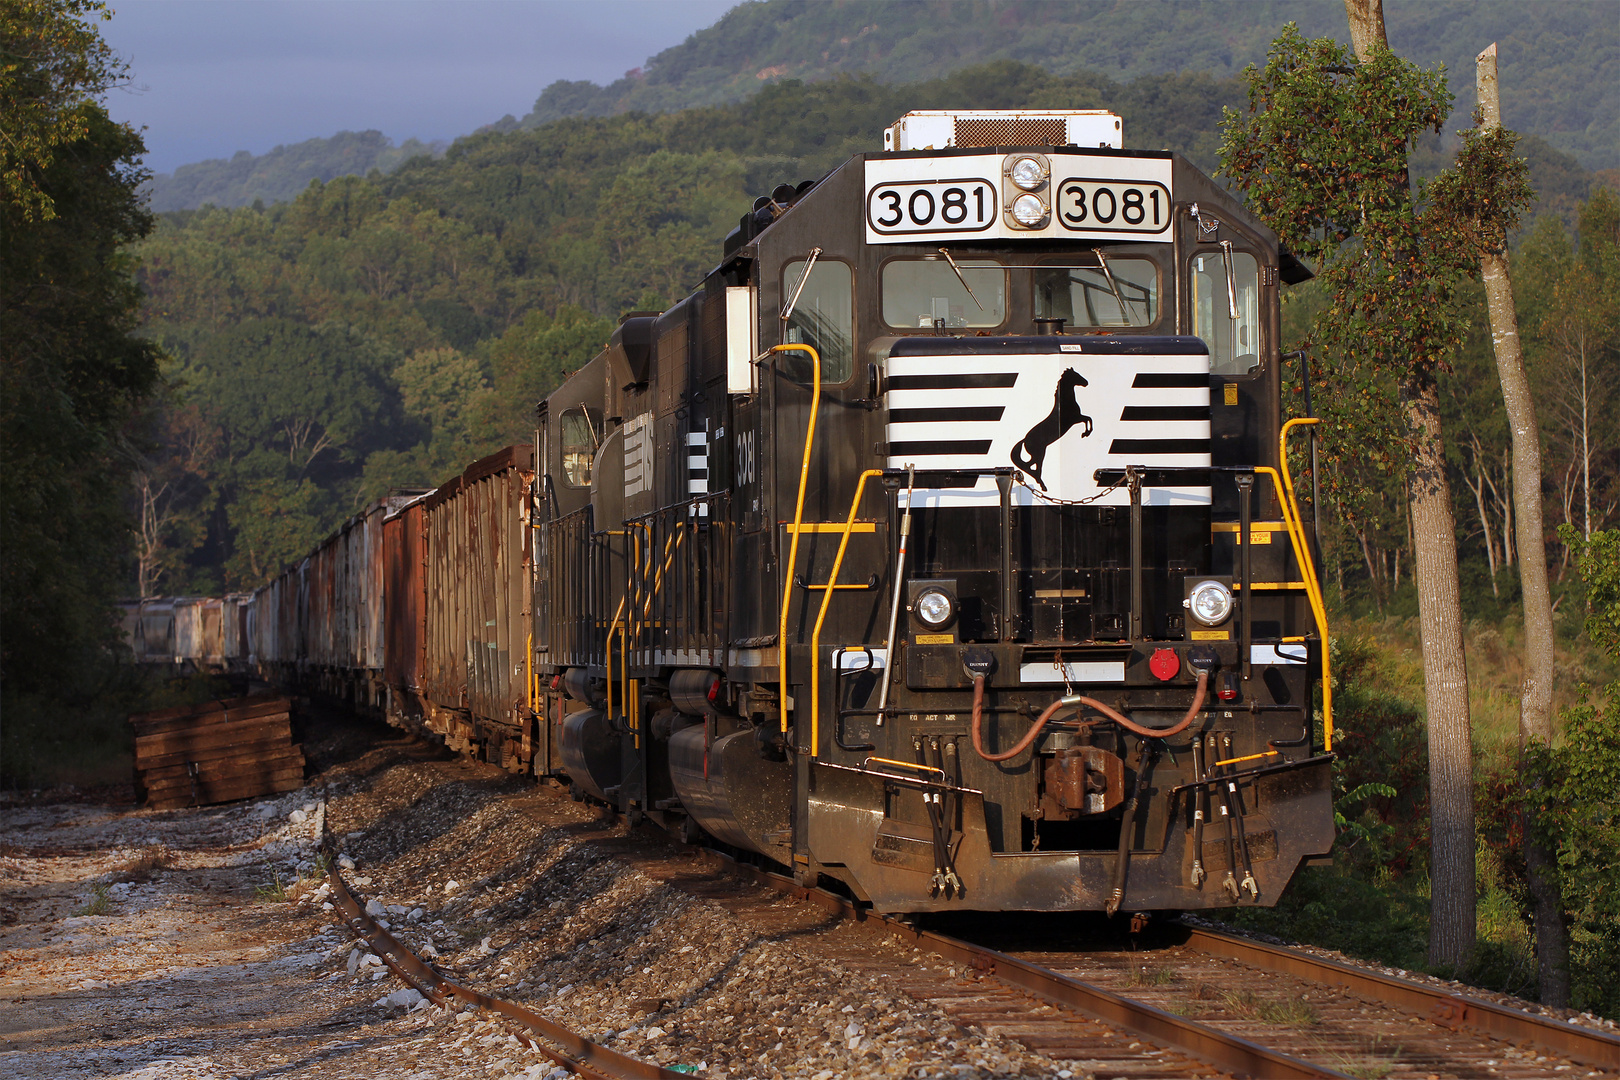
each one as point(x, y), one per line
point(919, 293)
point(1234, 341)
point(1126, 293)
point(823, 318)
point(578, 447)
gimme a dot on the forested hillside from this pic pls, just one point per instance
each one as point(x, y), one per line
point(378, 333)
point(1560, 62)
point(281, 174)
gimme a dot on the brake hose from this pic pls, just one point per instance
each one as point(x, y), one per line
point(1156, 733)
point(1029, 737)
point(1070, 701)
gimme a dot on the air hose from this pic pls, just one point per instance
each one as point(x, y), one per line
point(1070, 701)
point(1156, 733)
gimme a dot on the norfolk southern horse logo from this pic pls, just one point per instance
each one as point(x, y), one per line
point(1030, 452)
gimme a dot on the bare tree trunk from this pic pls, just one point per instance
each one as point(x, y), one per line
point(1366, 26)
point(1476, 484)
point(1510, 549)
point(1536, 700)
point(1445, 670)
point(1586, 448)
point(1445, 683)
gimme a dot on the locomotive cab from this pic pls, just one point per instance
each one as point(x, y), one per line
point(949, 551)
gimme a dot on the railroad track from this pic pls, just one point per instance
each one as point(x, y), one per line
point(1357, 1020)
point(1200, 1004)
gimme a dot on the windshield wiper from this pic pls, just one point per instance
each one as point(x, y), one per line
point(1102, 261)
point(957, 270)
point(809, 265)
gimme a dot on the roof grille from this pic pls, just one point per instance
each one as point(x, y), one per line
point(1011, 131)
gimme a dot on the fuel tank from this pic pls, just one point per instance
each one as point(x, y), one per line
point(590, 752)
point(740, 799)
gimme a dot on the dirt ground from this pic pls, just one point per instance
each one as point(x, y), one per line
point(200, 944)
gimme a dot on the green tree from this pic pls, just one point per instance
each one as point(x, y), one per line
point(1322, 156)
point(53, 69)
point(71, 375)
point(529, 362)
point(444, 394)
point(300, 408)
point(173, 495)
point(1577, 793)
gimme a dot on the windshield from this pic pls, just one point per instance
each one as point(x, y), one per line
point(922, 293)
point(1127, 294)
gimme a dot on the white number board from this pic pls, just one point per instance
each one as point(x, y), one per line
point(932, 206)
point(925, 198)
point(1089, 205)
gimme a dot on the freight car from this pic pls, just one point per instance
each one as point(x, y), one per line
point(941, 543)
point(189, 633)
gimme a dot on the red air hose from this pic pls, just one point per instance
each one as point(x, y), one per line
point(1052, 710)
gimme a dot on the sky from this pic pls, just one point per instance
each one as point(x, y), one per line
point(211, 77)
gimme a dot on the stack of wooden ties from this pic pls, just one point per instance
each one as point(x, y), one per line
point(213, 753)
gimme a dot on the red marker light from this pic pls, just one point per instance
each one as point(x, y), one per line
point(1228, 690)
point(1164, 663)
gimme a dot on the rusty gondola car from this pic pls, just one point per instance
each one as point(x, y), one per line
point(476, 670)
point(941, 544)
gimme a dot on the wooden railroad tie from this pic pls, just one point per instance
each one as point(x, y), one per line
point(216, 752)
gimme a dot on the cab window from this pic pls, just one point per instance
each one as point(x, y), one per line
point(822, 318)
point(1233, 340)
point(1122, 292)
point(578, 447)
point(925, 293)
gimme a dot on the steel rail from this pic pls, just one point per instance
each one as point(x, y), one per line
point(1443, 1007)
point(578, 1054)
point(1208, 1044)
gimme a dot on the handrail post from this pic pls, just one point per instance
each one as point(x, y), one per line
point(821, 616)
point(1283, 484)
point(1245, 486)
point(1008, 586)
point(798, 520)
point(1133, 479)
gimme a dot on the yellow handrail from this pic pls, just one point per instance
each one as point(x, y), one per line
point(1284, 485)
point(530, 676)
point(798, 520)
point(821, 616)
point(608, 658)
point(672, 545)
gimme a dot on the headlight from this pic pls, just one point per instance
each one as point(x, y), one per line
point(1027, 173)
point(934, 607)
point(1210, 603)
point(1028, 211)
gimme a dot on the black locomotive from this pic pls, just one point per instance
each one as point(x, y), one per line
point(941, 543)
point(937, 543)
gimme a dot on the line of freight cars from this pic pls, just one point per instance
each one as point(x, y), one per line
point(353, 621)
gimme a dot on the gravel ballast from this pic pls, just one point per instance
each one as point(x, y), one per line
point(202, 944)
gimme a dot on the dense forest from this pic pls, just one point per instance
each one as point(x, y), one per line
point(375, 333)
point(1560, 59)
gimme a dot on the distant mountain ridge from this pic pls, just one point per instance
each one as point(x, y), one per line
point(1560, 68)
point(1560, 61)
point(278, 176)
